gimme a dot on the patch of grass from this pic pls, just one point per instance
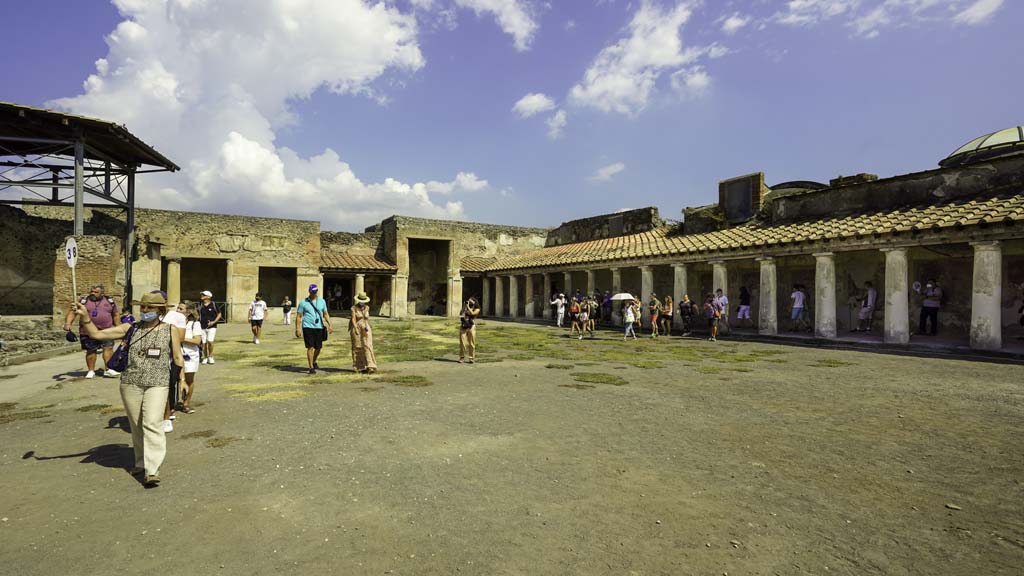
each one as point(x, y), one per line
point(92, 407)
point(7, 406)
point(40, 406)
point(221, 442)
point(255, 388)
point(709, 369)
point(409, 381)
point(521, 357)
point(742, 369)
point(199, 434)
point(487, 360)
point(599, 378)
point(370, 388)
point(647, 364)
point(10, 416)
point(767, 352)
point(57, 386)
point(560, 366)
point(831, 363)
point(273, 396)
point(577, 386)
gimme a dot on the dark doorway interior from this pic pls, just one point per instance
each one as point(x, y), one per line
point(338, 291)
point(428, 275)
point(473, 287)
point(198, 274)
point(276, 283)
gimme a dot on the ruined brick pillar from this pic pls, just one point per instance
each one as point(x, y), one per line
point(825, 295)
point(531, 299)
point(986, 303)
point(568, 284)
point(513, 296)
point(173, 281)
point(646, 287)
point(767, 320)
point(679, 282)
point(616, 288)
point(487, 306)
point(499, 296)
point(897, 298)
point(360, 285)
point(546, 296)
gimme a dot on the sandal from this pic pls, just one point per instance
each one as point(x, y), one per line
point(188, 410)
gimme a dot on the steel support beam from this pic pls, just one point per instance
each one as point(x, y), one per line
point(79, 187)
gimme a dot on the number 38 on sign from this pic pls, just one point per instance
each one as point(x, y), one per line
point(71, 252)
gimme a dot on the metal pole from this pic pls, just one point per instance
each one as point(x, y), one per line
point(106, 179)
point(129, 241)
point(79, 186)
point(54, 196)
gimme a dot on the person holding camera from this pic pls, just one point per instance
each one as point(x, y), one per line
point(145, 380)
point(467, 330)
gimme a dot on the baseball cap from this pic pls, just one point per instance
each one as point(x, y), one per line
point(313, 287)
point(206, 293)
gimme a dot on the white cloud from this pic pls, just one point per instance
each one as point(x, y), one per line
point(623, 76)
point(556, 124)
point(733, 23)
point(691, 81)
point(515, 17)
point(210, 83)
point(533, 103)
point(605, 173)
point(808, 12)
point(978, 13)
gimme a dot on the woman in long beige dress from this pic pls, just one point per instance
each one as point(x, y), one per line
point(363, 359)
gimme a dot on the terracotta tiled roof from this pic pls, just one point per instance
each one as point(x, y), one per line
point(934, 217)
point(351, 262)
point(476, 264)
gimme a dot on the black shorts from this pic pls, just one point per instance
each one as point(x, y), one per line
point(256, 322)
point(712, 322)
point(313, 337)
point(90, 345)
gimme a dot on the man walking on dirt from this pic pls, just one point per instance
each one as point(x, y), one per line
point(103, 313)
point(209, 318)
point(312, 324)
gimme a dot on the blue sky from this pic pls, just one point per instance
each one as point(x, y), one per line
point(347, 112)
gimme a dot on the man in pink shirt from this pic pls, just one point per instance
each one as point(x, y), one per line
point(103, 312)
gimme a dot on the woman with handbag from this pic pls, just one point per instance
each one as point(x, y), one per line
point(145, 379)
point(190, 352)
point(363, 358)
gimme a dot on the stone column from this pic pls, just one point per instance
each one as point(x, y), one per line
point(646, 287)
point(173, 281)
point(531, 300)
point(897, 297)
point(400, 297)
point(679, 282)
point(486, 307)
point(454, 296)
point(546, 298)
point(767, 319)
point(825, 295)
point(616, 288)
point(986, 303)
point(719, 277)
point(229, 290)
point(590, 282)
point(360, 284)
point(499, 296)
point(513, 296)
point(568, 284)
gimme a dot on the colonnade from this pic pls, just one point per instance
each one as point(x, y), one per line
point(985, 331)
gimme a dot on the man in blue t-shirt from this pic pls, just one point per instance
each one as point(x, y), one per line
point(312, 324)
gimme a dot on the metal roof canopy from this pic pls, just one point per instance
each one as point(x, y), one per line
point(73, 155)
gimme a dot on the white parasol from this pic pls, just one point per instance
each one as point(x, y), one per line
point(623, 296)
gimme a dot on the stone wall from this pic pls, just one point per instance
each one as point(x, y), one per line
point(889, 193)
point(605, 226)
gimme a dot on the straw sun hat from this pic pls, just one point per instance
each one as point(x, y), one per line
point(362, 298)
point(152, 299)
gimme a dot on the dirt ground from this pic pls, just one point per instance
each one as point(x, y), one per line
point(550, 456)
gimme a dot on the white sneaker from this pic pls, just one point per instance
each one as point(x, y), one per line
point(108, 373)
point(168, 426)
point(255, 340)
point(90, 374)
point(204, 361)
point(211, 360)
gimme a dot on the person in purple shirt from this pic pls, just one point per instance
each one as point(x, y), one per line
point(103, 313)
